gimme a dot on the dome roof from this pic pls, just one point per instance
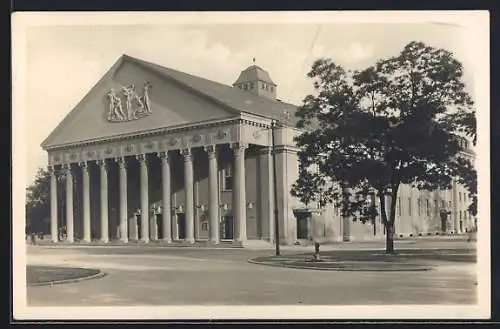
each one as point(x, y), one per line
point(254, 73)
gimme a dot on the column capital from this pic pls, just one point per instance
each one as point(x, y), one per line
point(162, 155)
point(83, 164)
point(239, 148)
point(211, 150)
point(186, 153)
point(102, 164)
point(122, 162)
point(67, 168)
point(141, 158)
point(51, 170)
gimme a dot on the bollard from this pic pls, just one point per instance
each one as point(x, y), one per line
point(316, 251)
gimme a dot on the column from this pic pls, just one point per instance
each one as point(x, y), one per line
point(239, 195)
point(213, 198)
point(267, 191)
point(70, 231)
point(104, 200)
point(122, 165)
point(53, 205)
point(189, 196)
point(165, 199)
point(454, 204)
point(86, 201)
point(346, 224)
point(144, 197)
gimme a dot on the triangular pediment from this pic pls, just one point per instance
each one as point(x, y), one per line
point(169, 103)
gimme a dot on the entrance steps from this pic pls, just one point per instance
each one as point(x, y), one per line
point(249, 244)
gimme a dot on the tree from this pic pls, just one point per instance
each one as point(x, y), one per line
point(38, 202)
point(400, 121)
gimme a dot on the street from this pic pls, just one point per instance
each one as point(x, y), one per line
point(195, 276)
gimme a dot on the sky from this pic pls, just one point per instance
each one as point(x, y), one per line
point(64, 61)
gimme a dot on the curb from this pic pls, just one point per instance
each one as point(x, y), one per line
point(423, 269)
point(98, 275)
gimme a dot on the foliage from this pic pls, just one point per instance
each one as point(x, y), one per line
point(401, 121)
point(38, 201)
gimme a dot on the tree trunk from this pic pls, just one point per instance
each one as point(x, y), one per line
point(389, 238)
point(388, 218)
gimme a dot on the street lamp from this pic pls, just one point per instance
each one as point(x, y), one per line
point(276, 221)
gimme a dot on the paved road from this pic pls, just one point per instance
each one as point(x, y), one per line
point(173, 276)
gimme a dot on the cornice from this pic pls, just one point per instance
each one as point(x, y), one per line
point(143, 134)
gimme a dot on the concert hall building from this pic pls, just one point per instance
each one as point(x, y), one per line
point(152, 154)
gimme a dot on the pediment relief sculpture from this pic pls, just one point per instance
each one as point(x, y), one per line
point(127, 105)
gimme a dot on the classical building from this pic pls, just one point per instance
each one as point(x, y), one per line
point(154, 154)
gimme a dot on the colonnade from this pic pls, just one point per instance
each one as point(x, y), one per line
point(238, 198)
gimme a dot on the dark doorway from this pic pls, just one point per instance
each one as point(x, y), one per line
point(139, 230)
point(181, 224)
point(159, 224)
point(227, 228)
point(302, 229)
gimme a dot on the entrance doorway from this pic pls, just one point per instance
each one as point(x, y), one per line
point(139, 230)
point(181, 225)
point(227, 228)
point(159, 225)
point(302, 229)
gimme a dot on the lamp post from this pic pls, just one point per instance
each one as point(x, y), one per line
point(276, 221)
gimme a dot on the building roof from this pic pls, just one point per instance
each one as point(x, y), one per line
point(252, 74)
point(195, 100)
point(233, 97)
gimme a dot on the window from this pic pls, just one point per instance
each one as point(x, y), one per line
point(460, 215)
point(427, 208)
point(436, 207)
point(449, 204)
point(251, 85)
point(409, 206)
point(267, 86)
point(245, 86)
point(272, 88)
point(419, 206)
point(460, 196)
point(442, 204)
point(239, 86)
point(262, 86)
point(227, 178)
point(399, 206)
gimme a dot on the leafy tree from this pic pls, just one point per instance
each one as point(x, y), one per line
point(400, 121)
point(37, 201)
